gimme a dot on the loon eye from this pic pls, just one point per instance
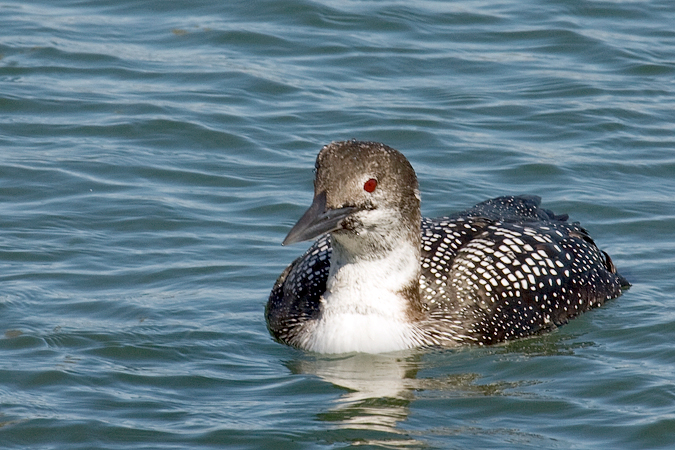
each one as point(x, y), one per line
point(370, 185)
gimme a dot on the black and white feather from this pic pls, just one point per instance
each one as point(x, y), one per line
point(502, 270)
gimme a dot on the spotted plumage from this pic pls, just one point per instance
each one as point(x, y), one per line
point(502, 270)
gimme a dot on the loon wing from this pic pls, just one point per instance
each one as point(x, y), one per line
point(297, 292)
point(510, 269)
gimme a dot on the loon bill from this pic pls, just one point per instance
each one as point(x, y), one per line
point(381, 278)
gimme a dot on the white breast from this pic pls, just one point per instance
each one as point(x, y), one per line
point(363, 310)
point(355, 332)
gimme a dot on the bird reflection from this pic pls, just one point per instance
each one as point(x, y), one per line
point(378, 390)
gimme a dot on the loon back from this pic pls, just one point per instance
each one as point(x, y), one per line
point(502, 270)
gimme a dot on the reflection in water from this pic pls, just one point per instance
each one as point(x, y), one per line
point(379, 389)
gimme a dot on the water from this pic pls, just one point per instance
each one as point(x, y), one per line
point(154, 155)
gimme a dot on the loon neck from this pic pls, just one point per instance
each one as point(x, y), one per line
point(393, 269)
point(370, 304)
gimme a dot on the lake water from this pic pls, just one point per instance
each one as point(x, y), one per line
point(155, 154)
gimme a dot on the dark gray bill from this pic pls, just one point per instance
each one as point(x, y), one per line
point(317, 221)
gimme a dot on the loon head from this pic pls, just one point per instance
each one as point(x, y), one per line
point(366, 195)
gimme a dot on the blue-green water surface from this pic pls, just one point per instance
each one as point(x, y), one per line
point(154, 154)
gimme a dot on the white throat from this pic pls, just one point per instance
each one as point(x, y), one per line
point(363, 309)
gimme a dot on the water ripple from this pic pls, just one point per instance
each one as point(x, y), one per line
point(156, 153)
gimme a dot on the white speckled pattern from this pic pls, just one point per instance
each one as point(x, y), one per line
point(501, 270)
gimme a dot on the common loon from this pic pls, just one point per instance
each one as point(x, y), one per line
point(381, 278)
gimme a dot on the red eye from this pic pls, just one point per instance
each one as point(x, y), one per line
point(370, 185)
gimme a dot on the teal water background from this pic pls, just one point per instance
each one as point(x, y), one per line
point(153, 155)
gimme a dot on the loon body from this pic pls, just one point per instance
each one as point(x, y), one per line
point(382, 278)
